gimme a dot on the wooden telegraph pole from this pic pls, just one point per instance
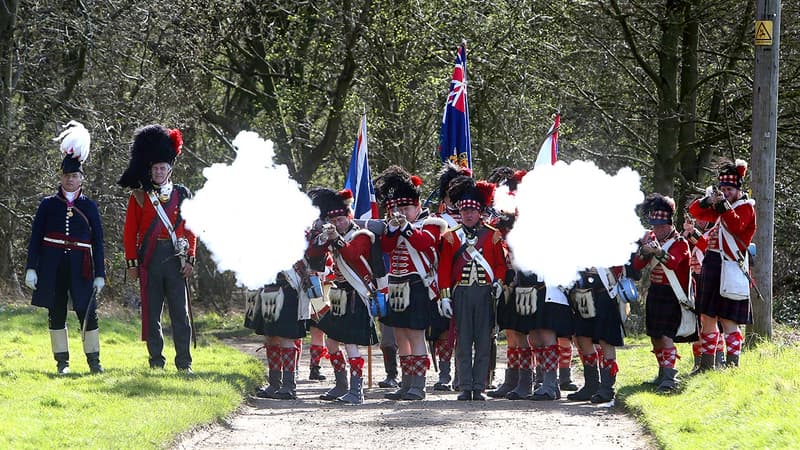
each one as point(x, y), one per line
point(765, 125)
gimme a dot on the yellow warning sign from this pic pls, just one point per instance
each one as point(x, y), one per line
point(763, 32)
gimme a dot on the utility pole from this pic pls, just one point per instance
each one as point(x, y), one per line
point(765, 127)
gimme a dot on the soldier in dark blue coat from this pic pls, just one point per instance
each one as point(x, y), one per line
point(65, 255)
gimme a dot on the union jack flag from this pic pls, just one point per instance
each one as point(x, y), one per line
point(454, 141)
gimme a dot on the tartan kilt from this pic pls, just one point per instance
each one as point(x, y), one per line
point(438, 324)
point(606, 325)
point(418, 314)
point(663, 314)
point(554, 316)
point(355, 327)
point(287, 326)
point(509, 319)
point(710, 303)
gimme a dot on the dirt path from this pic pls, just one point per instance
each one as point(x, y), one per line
point(439, 421)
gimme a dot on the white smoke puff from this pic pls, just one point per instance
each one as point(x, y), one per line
point(574, 216)
point(251, 214)
point(504, 200)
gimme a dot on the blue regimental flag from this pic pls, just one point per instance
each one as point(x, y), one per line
point(454, 141)
point(359, 180)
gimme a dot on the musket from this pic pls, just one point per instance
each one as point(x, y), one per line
point(740, 263)
point(189, 309)
point(432, 348)
point(92, 300)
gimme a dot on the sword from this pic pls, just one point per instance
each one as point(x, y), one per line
point(189, 309)
point(92, 299)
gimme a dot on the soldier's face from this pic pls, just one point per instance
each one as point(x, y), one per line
point(731, 193)
point(342, 223)
point(470, 216)
point(71, 181)
point(160, 172)
point(410, 211)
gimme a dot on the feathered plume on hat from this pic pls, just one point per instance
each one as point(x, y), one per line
point(732, 174)
point(659, 209)
point(465, 192)
point(507, 176)
point(330, 202)
point(396, 187)
point(75, 143)
point(448, 173)
point(151, 144)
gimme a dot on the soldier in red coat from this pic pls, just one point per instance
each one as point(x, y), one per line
point(734, 218)
point(667, 252)
point(472, 269)
point(358, 264)
point(411, 241)
point(159, 249)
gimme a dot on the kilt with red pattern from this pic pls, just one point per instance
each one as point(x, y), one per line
point(710, 303)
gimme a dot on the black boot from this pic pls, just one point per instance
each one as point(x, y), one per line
point(390, 364)
point(605, 393)
point(91, 346)
point(549, 389)
point(509, 383)
point(94, 362)
point(444, 377)
point(288, 390)
point(354, 395)
point(732, 360)
point(60, 345)
point(339, 389)
point(669, 383)
point(706, 364)
point(657, 380)
point(416, 389)
point(524, 386)
point(565, 382)
point(591, 381)
point(274, 380)
point(62, 362)
point(405, 385)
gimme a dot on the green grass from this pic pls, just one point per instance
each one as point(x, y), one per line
point(129, 406)
point(752, 406)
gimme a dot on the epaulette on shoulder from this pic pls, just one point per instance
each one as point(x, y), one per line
point(138, 194)
point(455, 228)
point(365, 232)
point(490, 227)
point(437, 221)
point(497, 236)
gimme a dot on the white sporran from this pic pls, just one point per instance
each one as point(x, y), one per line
point(399, 296)
point(583, 302)
point(271, 304)
point(525, 300)
point(338, 298)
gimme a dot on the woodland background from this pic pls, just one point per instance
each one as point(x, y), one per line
point(664, 87)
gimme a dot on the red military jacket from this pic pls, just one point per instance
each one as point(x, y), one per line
point(452, 258)
point(676, 259)
point(355, 250)
point(740, 221)
point(141, 214)
point(424, 236)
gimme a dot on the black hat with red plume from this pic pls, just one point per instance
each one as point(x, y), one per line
point(732, 174)
point(396, 187)
point(449, 172)
point(151, 144)
point(465, 192)
point(331, 203)
point(659, 209)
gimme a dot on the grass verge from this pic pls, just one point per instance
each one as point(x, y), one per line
point(752, 406)
point(129, 406)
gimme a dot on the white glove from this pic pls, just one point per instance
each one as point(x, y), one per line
point(445, 308)
point(99, 284)
point(498, 289)
point(31, 278)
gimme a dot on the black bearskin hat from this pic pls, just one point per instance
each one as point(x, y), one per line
point(330, 202)
point(447, 174)
point(732, 174)
point(659, 209)
point(396, 187)
point(151, 144)
point(465, 192)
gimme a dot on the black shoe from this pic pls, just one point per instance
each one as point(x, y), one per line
point(389, 382)
point(185, 371)
point(442, 387)
point(477, 396)
point(465, 396)
point(96, 369)
point(316, 375)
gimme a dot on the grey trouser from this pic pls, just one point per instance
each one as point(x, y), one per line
point(166, 282)
point(387, 337)
point(473, 314)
